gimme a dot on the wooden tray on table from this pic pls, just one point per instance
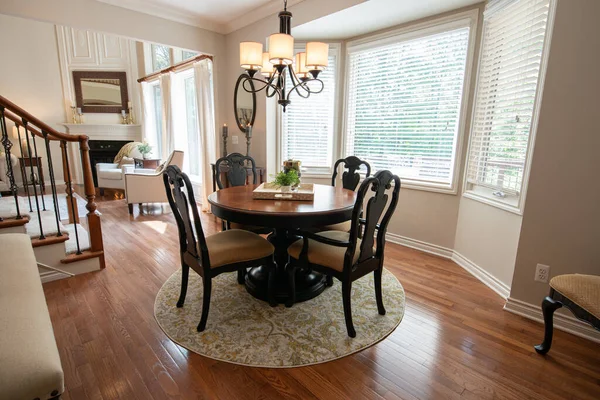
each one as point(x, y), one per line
point(268, 191)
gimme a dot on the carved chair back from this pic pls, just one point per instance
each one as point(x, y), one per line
point(350, 177)
point(236, 173)
point(179, 191)
point(377, 217)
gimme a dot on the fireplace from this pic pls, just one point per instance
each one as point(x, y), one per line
point(104, 151)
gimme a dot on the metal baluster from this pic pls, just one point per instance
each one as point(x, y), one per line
point(9, 170)
point(38, 163)
point(52, 183)
point(24, 171)
point(37, 203)
point(70, 189)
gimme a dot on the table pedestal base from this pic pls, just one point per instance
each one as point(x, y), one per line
point(309, 284)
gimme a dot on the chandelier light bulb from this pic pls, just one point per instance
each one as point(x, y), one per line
point(317, 56)
point(281, 49)
point(251, 55)
point(300, 68)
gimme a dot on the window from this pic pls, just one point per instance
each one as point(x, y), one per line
point(404, 104)
point(161, 57)
point(308, 124)
point(188, 138)
point(504, 111)
point(158, 117)
point(185, 55)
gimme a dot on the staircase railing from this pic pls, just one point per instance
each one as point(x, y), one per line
point(30, 130)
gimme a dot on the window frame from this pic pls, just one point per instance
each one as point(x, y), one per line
point(464, 19)
point(513, 203)
point(335, 49)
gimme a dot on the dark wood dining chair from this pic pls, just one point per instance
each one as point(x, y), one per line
point(344, 255)
point(227, 251)
point(237, 176)
point(350, 180)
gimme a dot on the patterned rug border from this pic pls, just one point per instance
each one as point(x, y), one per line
point(385, 336)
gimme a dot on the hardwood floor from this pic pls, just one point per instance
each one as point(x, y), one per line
point(455, 340)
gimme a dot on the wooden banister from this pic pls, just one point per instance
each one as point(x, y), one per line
point(21, 118)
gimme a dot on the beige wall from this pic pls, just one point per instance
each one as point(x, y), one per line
point(30, 78)
point(561, 223)
point(488, 236)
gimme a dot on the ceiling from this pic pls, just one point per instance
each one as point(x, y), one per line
point(222, 16)
point(374, 15)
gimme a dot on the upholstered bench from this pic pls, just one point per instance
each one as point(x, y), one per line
point(29, 363)
point(580, 294)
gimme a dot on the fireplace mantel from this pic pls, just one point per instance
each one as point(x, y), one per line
point(106, 131)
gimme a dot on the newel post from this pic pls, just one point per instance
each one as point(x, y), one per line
point(90, 192)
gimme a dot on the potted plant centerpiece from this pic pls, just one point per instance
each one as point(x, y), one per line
point(285, 180)
point(145, 149)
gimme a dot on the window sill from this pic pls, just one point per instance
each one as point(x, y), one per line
point(435, 188)
point(485, 199)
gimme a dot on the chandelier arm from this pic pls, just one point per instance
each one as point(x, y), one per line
point(304, 86)
point(297, 83)
point(266, 85)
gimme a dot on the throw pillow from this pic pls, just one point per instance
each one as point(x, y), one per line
point(126, 161)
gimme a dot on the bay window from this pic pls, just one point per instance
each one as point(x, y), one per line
point(405, 102)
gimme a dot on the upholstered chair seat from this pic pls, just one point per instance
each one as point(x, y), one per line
point(324, 254)
point(583, 290)
point(342, 226)
point(236, 246)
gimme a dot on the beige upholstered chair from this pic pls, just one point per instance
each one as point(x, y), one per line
point(111, 175)
point(343, 255)
point(144, 185)
point(580, 294)
point(227, 251)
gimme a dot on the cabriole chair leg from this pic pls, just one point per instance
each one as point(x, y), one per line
point(549, 305)
point(346, 297)
point(378, 295)
point(185, 273)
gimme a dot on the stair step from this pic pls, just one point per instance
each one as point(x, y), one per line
point(12, 222)
point(71, 258)
point(50, 239)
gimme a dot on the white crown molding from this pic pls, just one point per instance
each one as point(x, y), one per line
point(256, 14)
point(565, 323)
point(168, 13)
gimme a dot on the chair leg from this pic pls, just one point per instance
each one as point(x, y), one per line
point(130, 208)
point(549, 305)
point(290, 271)
point(346, 294)
point(241, 276)
point(185, 273)
point(378, 295)
point(329, 281)
point(101, 191)
point(205, 303)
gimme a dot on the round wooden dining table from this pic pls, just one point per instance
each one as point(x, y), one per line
point(331, 205)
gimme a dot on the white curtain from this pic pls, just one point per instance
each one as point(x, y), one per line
point(149, 133)
point(168, 110)
point(205, 98)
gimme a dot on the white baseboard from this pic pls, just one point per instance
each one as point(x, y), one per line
point(489, 280)
point(565, 323)
point(419, 245)
point(485, 277)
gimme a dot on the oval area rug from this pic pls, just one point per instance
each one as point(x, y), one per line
point(246, 331)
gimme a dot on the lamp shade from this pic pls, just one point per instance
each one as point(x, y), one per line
point(267, 67)
point(281, 49)
point(15, 132)
point(301, 70)
point(251, 55)
point(317, 56)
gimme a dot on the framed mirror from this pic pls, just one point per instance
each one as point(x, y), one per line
point(101, 91)
point(244, 103)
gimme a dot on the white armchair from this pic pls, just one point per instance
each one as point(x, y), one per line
point(110, 175)
point(146, 185)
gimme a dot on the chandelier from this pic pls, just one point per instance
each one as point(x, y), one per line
point(278, 61)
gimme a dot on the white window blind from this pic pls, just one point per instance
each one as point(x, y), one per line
point(308, 124)
point(404, 104)
point(509, 73)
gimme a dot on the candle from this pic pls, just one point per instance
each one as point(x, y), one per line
point(249, 131)
point(79, 110)
point(225, 130)
point(123, 113)
point(128, 104)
